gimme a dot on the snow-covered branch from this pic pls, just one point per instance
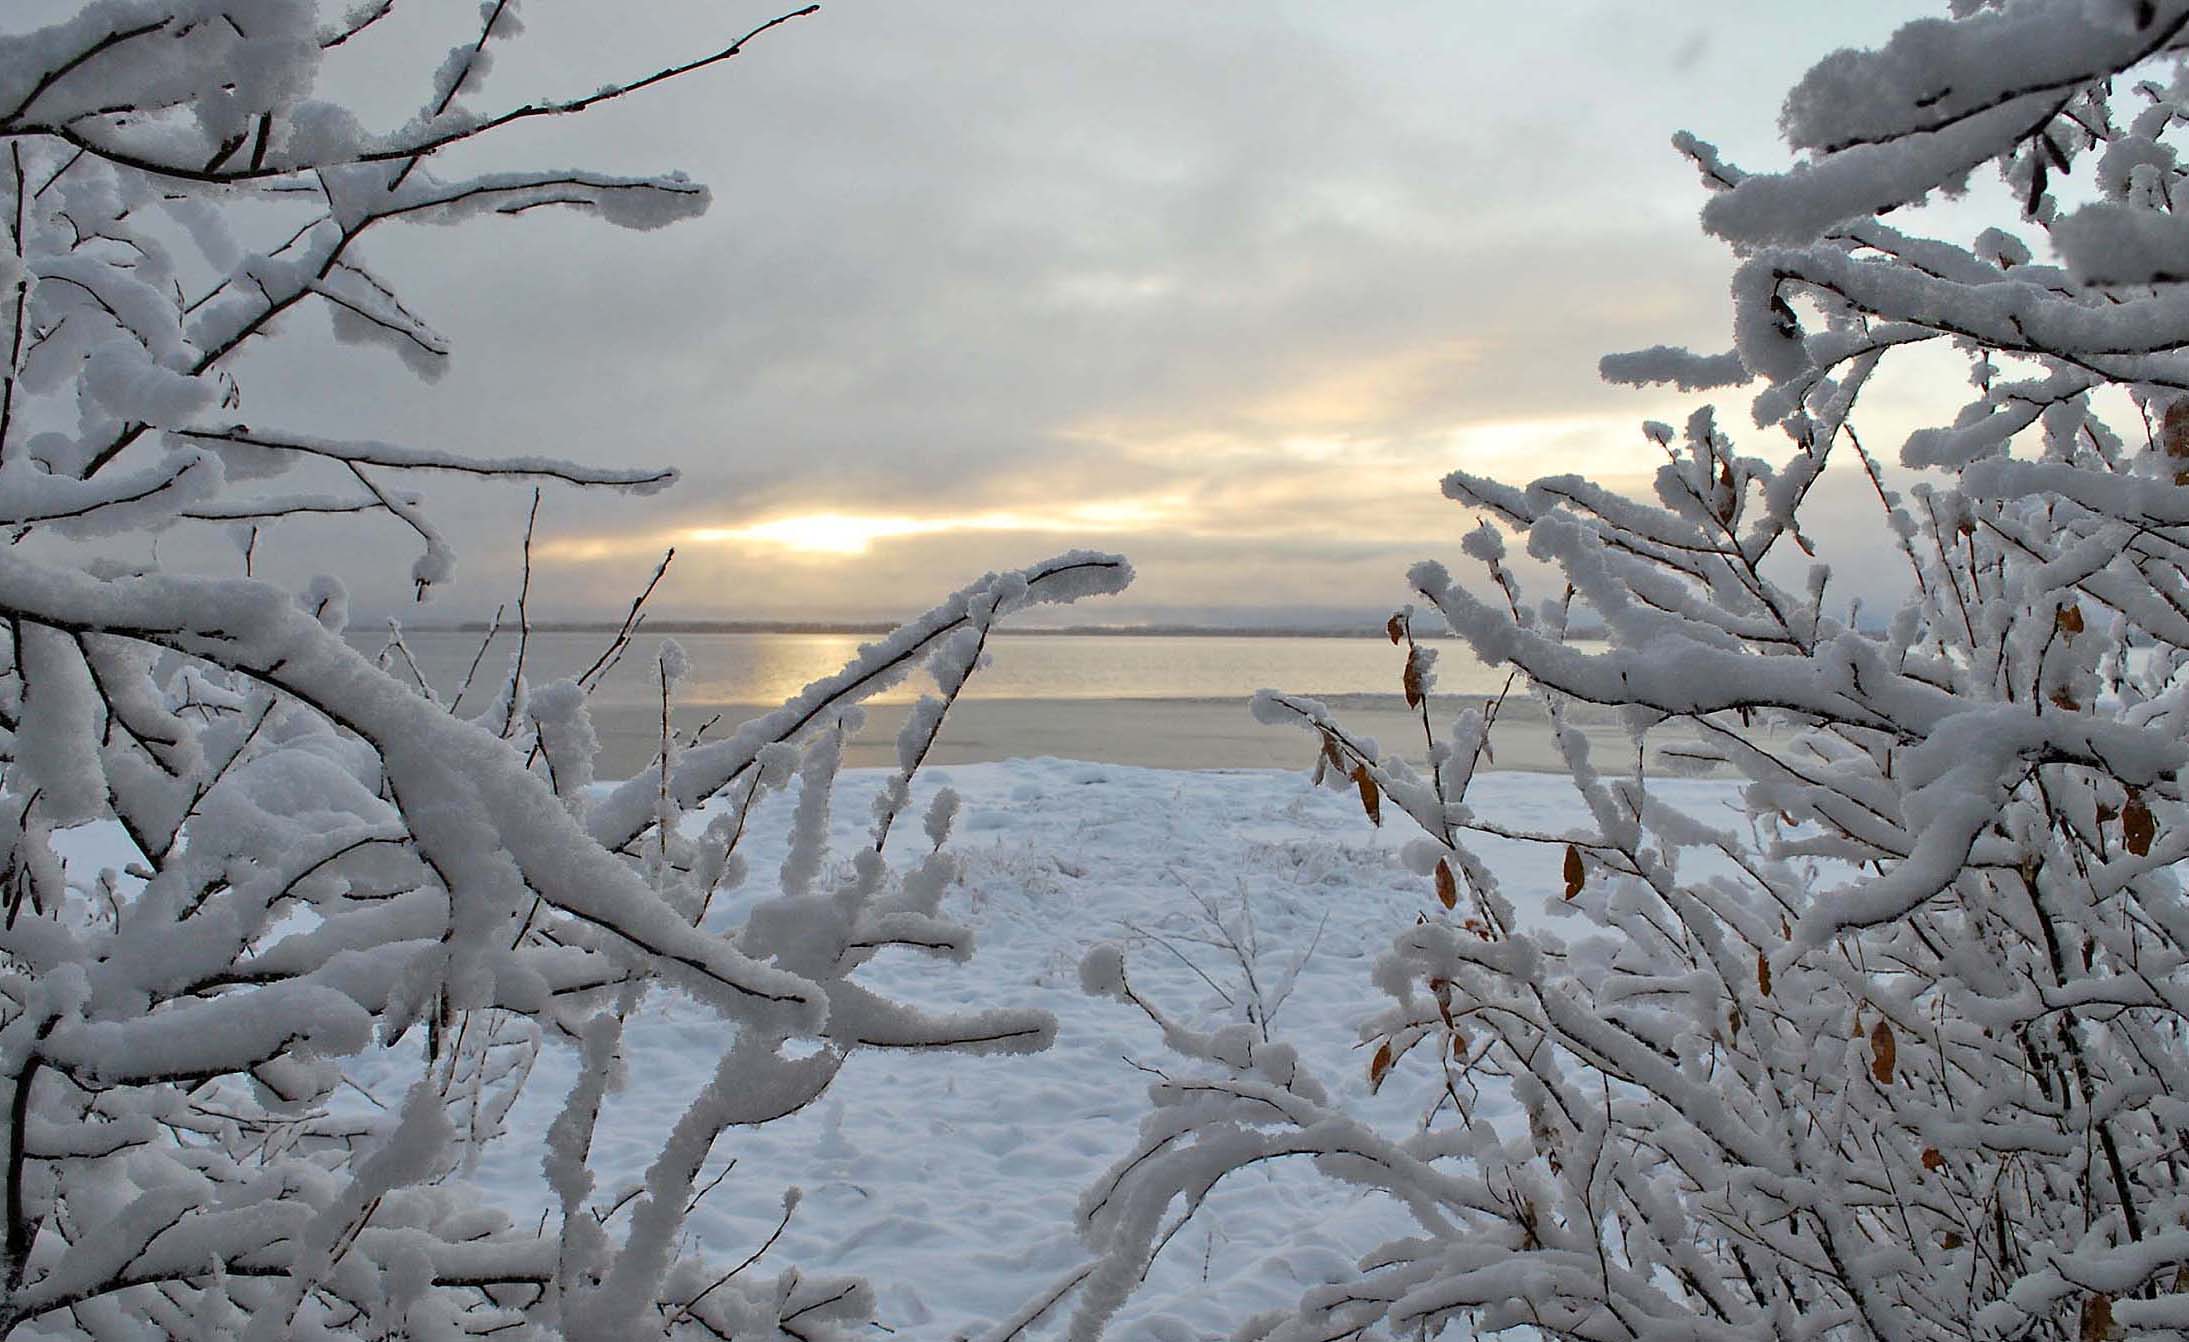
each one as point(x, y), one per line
point(305, 860)
point(1894, 1050)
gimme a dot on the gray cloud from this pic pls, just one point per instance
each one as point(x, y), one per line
point(979, 256)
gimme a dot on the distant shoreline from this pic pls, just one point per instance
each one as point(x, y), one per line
point(880, 627)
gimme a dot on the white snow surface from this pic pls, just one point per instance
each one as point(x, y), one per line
point(950, 1181)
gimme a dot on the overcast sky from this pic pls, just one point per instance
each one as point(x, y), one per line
point(1225, 285)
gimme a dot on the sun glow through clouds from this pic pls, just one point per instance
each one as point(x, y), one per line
point(821, 533)
point(848, 534)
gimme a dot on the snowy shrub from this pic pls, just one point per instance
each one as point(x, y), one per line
point(1900, 1054)
point(326, 867)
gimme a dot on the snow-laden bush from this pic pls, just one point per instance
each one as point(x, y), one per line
point(327, 863)
point(1900, 1056)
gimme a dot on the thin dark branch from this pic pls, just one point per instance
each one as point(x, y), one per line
point(524, 623)
point(426, 146)
point(630, 622)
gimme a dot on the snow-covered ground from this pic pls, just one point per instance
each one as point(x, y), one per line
point(951, 1181)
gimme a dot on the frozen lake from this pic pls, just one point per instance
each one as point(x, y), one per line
point(769, 668)
point(1161, 701)
point(1158, 701)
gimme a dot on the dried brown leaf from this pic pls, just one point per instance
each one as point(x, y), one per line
point(2097, 1317)
point(1576, 874)
point(1330, 764)
point(2138, 829)
point(1763, 973)
point(1371, 798)
point(2069, 620)
point(1884, 1053)
point(2174, 428)
point(1379, 1067)
point(1447, 887)
point(1411, 680)
point(1932, 1160)
point(1396, 627)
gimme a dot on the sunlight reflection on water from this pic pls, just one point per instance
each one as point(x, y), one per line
point(768, 668)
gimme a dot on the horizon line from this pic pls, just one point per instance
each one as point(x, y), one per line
point(670, 626)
